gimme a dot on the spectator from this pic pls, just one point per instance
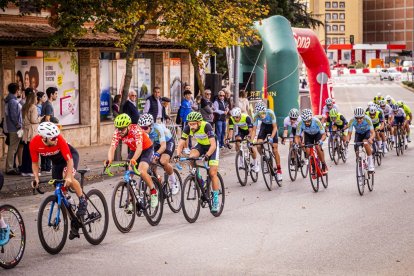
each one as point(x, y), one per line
point(221, 108)
point(27, 92)
point(116, 105)
point(244, 103)
point(228, 99)
point(47, 108)
point(41, 99)
point(206, 107)
point(31, 121)
point(13, 126)
point(185, 109)
point(153, 105)
point(165, 102)
point(130, 107)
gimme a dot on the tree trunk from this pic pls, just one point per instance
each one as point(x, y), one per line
point(130, 53)
point(196, 65)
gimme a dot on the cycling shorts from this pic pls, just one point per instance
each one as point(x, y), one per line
point(242, 133)
point(60, 168)
point(312, 138)
point(266, 129)
point(146, 155)
point(203, 149)
point(169, 149)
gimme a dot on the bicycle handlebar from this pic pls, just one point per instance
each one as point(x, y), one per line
point(107, 168)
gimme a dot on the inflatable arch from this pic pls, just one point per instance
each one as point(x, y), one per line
point(276, 64)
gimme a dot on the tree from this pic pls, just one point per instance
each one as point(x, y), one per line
point(208, 24)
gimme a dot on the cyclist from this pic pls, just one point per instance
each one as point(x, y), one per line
point(409, 117)
point(268, 126)
point(325, 110)
point(378, 98)
point(399, 119)
point(314, 133)
point(390, 100)
point(364, 132)
point(337, 121)
point(244, 125)
point(292, 121)
point(388, 115)
point(378, 123)
point(4, 232)
point(206, 145)
point(141, 149)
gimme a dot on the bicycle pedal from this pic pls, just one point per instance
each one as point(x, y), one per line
point(73, 235)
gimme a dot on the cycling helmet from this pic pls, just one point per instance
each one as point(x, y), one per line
point(122, 121)
point(333, 112)
point(48, 130)
point(400, 103)
point(294, 113)
point(194, 117)
point(306, 115)
point(329, 101)
point(145, 120)
point(370, 104)
point(395, 107)
point(359, 112)
point(236, 112)
point(382, 103)
point(372, 109)
point(388, 98)
point(379, 94)
point(260, 107)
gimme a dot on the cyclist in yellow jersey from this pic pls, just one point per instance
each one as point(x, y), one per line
point(378, 124)
point(409, 117)
point(390, 100)
point(378, 98)
point(206, 145)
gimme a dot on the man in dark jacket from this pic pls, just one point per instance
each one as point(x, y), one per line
point(13, 125)
point(153, 105)
point(130, 107)
point(206, 107)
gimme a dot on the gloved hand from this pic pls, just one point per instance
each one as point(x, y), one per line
point(156, 156)
point(320, 143)
point(206, 158)
point(270, 140)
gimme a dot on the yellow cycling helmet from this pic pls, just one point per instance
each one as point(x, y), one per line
point(122, 120)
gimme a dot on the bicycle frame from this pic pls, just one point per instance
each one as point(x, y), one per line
point(315, 158)
point(195, 172)
point(60, 198)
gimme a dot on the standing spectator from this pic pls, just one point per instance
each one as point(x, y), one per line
point(228, 99)
point(244, 103)
point(165, 104)
point(22, 102)
point(185, 109)
point(130, 107)
point(48, 115)
point(116, 105)
point(41, 99)
point(31, 121)
point(13, 124)
point(206, 107)
point(221, 108)
point(153, 105)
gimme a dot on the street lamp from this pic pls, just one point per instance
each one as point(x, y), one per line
point(389, 42)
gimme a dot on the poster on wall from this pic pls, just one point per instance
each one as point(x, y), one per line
point(61, 71)
point(175, 83)
point(144, 78)
point(29, 73)
point(105, 98)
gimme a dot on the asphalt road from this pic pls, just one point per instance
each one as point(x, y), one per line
point(288, 231)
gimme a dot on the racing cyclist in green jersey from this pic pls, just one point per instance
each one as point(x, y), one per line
point(206, 145)
point(338, 122)
point(244, 126)
point(409, 117)
point(378, 123)
point(378, 98)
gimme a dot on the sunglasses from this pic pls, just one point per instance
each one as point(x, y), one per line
point(121, 129)
point(133, 95)
point(293, 119)
point(236, 117)
point(221, 95)
point(50, 139)
point(145, 127)
point(359, 118)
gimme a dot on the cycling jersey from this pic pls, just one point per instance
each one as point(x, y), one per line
point(135, 136)
point(269, 119)
point(378, 99)
point(57, 154)
point(406, 109)
point(392, 102)
point(339, 121)
point(387, 110)
point(314, 128)
point(159, 133)
point(400, 113)
point(287, 123)
point(202, 135)
point(325, 110)
point(377, 118)
point(244, 124)
point(363, 127)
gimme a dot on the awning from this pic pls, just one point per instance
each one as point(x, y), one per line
point(339, 47)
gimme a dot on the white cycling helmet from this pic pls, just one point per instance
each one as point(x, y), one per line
point(306, 115)
point(329, 101)
point(145, 120)
point(370, 104)
point(388, 98)
point(372, 109)
point(236, 112)
point(382, 103)
point(48, 130)
point(359, 112)
point(294, 113)
point(379, 94)
point(260, 107)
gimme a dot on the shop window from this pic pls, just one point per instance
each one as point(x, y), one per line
point(175, 81)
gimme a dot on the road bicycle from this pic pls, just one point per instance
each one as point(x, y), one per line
point(363, 176)
point(174, 201)
point(296, 161)
point(338, 149)
point(131, 197)
point(12, 252)
point(400, 140)
point(197, 190)
point(244, 166)
point(389, 142)
point(316, 175)
point(267, 159)
point(376, 154)
point(52, 220)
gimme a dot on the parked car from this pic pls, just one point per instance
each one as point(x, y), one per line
point(390, 74)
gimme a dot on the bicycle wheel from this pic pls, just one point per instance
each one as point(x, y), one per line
point(293, 164)
point(343, 150)
point(241, 168)
point(313, 174)
point(253, 175)
point(370, 181)
point(123, 207)
point(303, 168)
point(52, 225)
point(190, 198)
point(153, 215)
point(12, 252)
point(360, 175)
point(174, 201)
point(95, 224)
point(267, 171)
point(378, 156)
point(335, 151)
point(222, 195)
point(398, 142)
point(330, 147)
point(323, 177)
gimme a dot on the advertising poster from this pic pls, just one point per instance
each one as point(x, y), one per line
point(61, 71)
point(29, 73)
point(144, 78)
point(105, 98)
point(175, 83)
point(120, 75)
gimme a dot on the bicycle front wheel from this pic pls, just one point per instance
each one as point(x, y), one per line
point(174, 201)
point(52, 225)
point(123, 207)
point(154, 214)
point(12, 252)
point(190, 198)
point(267, 169)
point(292, 164)
point(222, 195)
point(95, 224)
point(370, 181)
point(330, 147)
point(335, 151)
point(360, 175)
point(303, 168)
point(313, 175)
point(241, 168)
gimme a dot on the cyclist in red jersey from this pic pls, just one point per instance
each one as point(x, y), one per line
point(65, 159)
point(141, 149)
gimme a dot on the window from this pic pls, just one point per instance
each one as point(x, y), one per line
point(335, 40)
point(342, 16)
point(327, 5)
point(334, 28)
point(328, 16)
point(342, 28)
point(328, 28)
point(328, 40)
point(342, 40)
point(335, 16)
point(335, 5)
point(342, 5)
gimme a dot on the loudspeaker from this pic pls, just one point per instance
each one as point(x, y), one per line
point(213, 82)
point(251, 86)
